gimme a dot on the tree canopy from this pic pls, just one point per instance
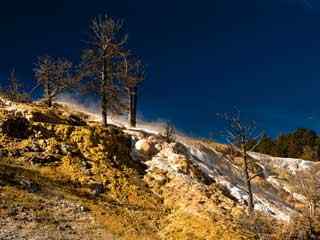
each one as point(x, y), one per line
point(301, 143)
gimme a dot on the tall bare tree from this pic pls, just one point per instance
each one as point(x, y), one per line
point(55, 75)
point(100, 62)
point(133, 74)
point(239, 134)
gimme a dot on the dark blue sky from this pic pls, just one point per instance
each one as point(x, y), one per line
point(204, 57)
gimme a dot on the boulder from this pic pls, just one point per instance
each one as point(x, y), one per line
point(144, 147)
point(158, 147)
point(153, 139)
point(179, 148)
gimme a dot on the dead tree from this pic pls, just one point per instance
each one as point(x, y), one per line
point(55, 75)
point(14, 91)
point(307, 183)
point(14, 85)
point(100, 65)
point(133, 73)
point(304, 224)
point(238, 134)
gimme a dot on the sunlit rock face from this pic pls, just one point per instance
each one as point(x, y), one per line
point(181, 187)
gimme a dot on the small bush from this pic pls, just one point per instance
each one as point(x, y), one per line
point(169, 133)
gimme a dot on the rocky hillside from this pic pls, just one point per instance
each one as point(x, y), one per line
point(64, 176)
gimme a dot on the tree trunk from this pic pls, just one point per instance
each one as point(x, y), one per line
point(48, 94)
point(104, 105)
point(49, 102)
point(133, 106)
point(248, 180)
point(311, 210)
point(104, 98)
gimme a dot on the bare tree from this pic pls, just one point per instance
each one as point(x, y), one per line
point(308, 184)
point(15, 91)
point(101, 61)
point(14, 85)
point(238, 134)
point(133, 73)
point(55, 75)
point(307, 222)
point(2, 91)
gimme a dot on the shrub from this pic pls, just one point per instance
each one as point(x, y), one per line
point(16, 127)
point(169, 133)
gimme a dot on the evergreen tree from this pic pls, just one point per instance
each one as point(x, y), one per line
point(282, 145)
point(267, 146)
point(302, 143)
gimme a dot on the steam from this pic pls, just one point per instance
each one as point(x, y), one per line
point(92, 109)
